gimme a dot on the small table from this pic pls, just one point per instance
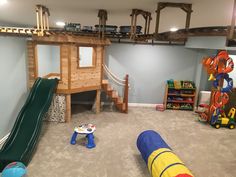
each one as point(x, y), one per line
point(84, 129)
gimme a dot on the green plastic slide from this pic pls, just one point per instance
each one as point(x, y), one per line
point(25, 133)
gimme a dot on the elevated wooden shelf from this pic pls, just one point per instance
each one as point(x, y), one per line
point(169, 38)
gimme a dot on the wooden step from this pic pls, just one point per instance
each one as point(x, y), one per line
point(109, 90)
point(121, 107)
point(105, 81)
point(113, 94)
point(119, 100)
point(105, 84)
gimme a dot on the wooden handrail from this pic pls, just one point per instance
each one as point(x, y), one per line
point(124, 83)
point(113, 76)
point(126, 93)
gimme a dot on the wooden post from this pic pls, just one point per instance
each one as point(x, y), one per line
point(132, 22)
point(145, 27)
point(149, 21)
point(68, 108)
point(187, 24)
point(126, 93)
point(98, 101)
point(41, 19)
point(37, 17)
point(165, 97)
point(42, 14)
point(158, 11)
point(47, 21)
point(44, 21)
point(231, 32)
point(102, 15)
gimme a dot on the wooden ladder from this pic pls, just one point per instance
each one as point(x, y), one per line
point(121, 103)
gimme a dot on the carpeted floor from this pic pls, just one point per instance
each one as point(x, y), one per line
point(207, 152)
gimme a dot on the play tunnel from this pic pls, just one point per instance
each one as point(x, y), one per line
point(159, 157)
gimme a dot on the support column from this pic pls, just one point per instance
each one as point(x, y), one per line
point(98, 101)
point(157, 20)
point(68, 108)
point(231, 32)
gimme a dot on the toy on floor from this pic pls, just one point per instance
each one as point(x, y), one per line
point(225, 121)
point(84, 129)
point(159, 157)
point(218, 67)
point(14, 169)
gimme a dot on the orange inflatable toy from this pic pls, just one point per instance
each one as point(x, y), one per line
point(220, 99)
point(225, 68)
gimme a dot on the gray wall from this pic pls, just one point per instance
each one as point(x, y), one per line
point(13, 80)
point(149, 67)
point(211, 42)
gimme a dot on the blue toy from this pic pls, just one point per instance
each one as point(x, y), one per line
point(84, 129)
point(229, 80)
point(14, 169)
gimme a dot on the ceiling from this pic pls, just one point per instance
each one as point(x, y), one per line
point(205, 12)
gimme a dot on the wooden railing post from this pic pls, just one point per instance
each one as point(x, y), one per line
point(126, 92)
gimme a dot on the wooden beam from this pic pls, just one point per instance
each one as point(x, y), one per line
point(158, 11)
point(98, 101)
point(68, 108)
point(188, 17)
point(231, 32)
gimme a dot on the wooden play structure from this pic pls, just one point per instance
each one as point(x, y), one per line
point(185, 7)
point(42, 15)
point(102, 15)
point(72, 77)
point(147, 17)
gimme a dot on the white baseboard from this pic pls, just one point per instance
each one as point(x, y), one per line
point(148, 105)
point(4, 139)
point(83, 102)
point(107, 103)
point(89, 103)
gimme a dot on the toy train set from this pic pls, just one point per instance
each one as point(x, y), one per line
point(76, 27)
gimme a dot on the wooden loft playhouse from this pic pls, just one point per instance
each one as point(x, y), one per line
point(74, 75)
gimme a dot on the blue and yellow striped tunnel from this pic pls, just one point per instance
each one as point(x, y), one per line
point(161, 161)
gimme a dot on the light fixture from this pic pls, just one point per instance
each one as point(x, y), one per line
point(3, 2)
point(60, 24)
point(173, 29)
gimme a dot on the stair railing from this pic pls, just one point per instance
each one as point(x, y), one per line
point(121, 82)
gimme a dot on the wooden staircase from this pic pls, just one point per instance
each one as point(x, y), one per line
point(120, 103)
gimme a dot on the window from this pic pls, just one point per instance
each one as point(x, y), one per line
point(48, 61)
point(85, 56)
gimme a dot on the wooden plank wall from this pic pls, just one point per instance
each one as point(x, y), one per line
point(31, 62)
point(73, 79)
point(65, 57)
point(88, 78)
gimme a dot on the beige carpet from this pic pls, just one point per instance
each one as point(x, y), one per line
point(207, 152)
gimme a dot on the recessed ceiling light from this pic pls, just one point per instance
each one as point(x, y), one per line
point(60, 23)
point(173, 29)
point(3, 2)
